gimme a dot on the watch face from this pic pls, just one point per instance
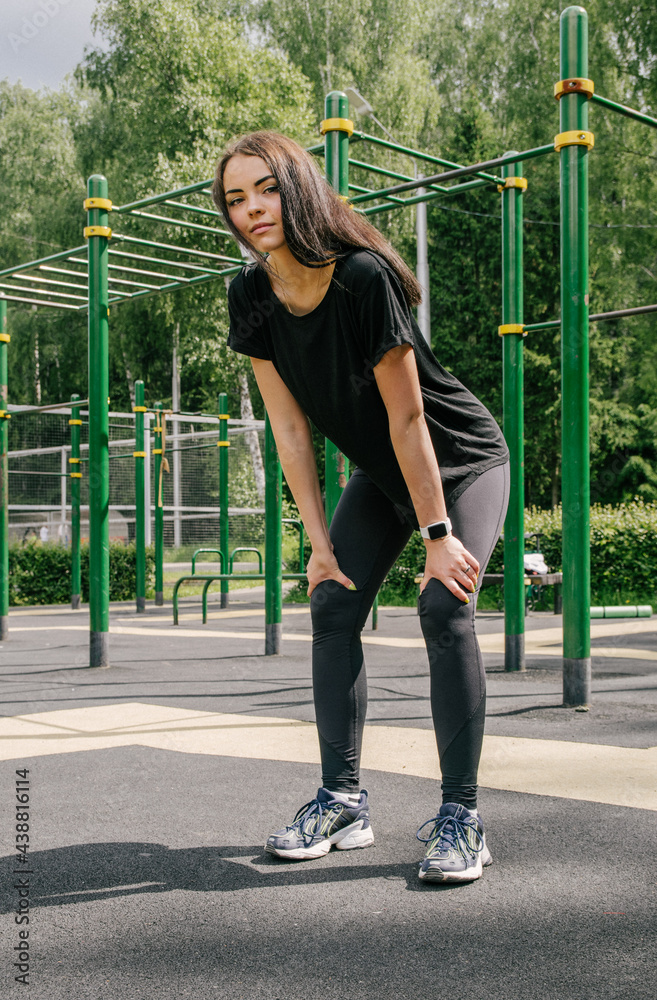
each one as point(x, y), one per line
point(438, 530)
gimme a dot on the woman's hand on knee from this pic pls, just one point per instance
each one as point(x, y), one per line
point(450, 562)
point(324, 566)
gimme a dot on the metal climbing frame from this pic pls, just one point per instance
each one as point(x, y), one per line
point(119, 267)
point(111, 268)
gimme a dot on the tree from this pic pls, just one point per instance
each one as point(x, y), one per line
point(42, 192)
point(176, 81)
point(496, 62)
point(463, 81)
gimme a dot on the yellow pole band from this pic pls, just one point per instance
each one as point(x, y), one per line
point(4, 415)
point(139, 454)
point(97, 231)
point(97, 203)
point(75, 475)
point(511, 328)
point(140, 409)
point(157, 429)
point(574, 85)
point(513, 182)
point(75, 423)
point(223, 444)
point(74, 461)
point(157, 451)
point(574, 138)
point(5, 338)
point(337, 125)
point(224, 416)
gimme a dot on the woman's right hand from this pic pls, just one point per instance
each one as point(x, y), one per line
point(324, 566)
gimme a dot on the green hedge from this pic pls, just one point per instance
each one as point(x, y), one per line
point(40, 573)
point(623, 556)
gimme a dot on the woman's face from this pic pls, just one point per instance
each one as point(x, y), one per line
point(254, 202)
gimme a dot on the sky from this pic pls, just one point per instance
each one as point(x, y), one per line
point(43, 40)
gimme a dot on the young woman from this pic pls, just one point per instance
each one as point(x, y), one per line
point(324, 313)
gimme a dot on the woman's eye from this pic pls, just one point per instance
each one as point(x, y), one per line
point(235, 201)
point(273, 188)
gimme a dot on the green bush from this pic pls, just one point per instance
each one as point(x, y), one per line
point(40, 573)
point(623, 556)
point(399, 587)
point(297, 593)
point(623, 549)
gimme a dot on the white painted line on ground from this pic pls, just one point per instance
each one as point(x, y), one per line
point(596, 773)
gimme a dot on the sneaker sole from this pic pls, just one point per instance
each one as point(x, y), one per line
point(467, 875)
point(349, 839)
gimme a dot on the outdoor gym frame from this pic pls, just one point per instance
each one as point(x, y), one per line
point(573, 142)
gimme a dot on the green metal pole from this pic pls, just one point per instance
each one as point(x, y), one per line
point(4, 476)
point(273, 544)
point(159, 509)
point(97, 217)
point(75, 476)
point(140, 498)
point(573, 112)
point(224, 530)
point(336, 466)
point(512, 313)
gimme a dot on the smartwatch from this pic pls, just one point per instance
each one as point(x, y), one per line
point(439, 529)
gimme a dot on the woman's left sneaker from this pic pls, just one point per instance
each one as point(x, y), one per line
point(321, 824)
point(456, 846)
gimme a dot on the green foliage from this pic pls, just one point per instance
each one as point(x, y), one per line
point(399, 586)
point(623, 554)
point(40, 573)
point(623, 549)
point(177, 79)
point(153, 106)
point(42, 193)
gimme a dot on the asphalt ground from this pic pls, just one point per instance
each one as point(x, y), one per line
point(154, 783)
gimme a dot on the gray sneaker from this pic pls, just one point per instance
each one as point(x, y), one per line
point(456, 846)
point(321, 824)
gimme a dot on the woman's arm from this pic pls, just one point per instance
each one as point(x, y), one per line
point(295, 449)
point(397, 380)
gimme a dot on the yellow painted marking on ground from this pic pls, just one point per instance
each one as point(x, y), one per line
point(196, 616)
point(36, 612)
point(173, 632)
point(624, 653)
point(489, 643)
point(614, 775)
point(538, 638)
point(253, 612)
point(614, 652)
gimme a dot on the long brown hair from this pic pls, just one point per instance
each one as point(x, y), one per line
point(318, 225)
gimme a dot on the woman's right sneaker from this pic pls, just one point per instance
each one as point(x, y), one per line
point(321, 824)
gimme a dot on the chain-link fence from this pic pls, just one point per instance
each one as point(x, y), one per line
point(39, 483)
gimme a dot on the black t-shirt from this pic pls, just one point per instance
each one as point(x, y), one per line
point(326, 359)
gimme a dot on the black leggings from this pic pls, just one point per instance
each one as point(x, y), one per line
point(368, 536)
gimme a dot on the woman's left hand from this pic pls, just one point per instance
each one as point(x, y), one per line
point(450, 562)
